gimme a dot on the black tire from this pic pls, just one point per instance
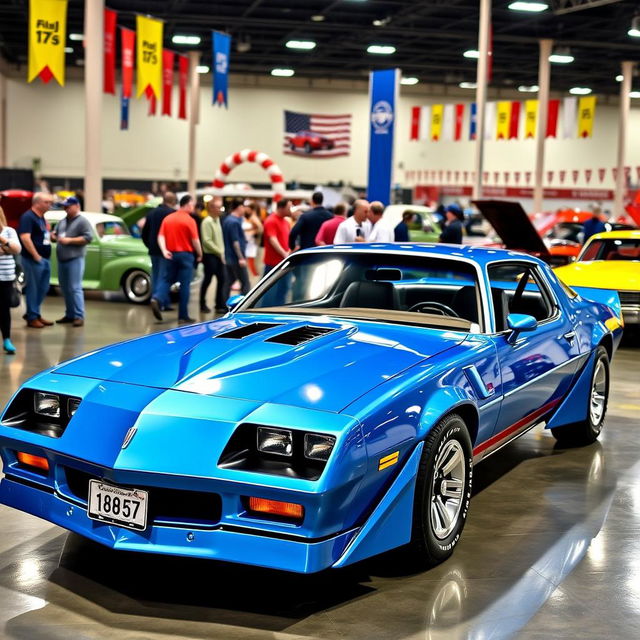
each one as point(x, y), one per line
point(293, 146)
point(307, 147)
point(583, 433)
point(136, 286)
point(432, 542)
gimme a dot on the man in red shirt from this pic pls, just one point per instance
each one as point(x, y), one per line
point(276, 248)
point(327, 231)
point(178, 240)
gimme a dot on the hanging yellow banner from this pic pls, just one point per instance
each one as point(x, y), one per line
point(47, 37)
point(503, 119)
point(149, 56)
point(530, 118)
point(437, 112)
point(586, 115)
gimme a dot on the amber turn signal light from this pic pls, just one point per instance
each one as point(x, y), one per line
point(30, 460)
point(276, 508)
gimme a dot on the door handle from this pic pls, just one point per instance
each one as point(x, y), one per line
point(570, 336)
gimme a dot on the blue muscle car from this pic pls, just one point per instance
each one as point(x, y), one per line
point(335, 413)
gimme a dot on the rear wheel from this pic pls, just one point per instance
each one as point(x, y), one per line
point(307, 147)
point(587, 431)
point(136, 286)
point(443, 492)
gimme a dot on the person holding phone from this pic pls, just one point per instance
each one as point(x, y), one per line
point(357, 228)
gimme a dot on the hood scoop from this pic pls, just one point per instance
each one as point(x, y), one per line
point(247, 330)
point(300, 335)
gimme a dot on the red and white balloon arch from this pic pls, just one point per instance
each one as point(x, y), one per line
point(247, 155)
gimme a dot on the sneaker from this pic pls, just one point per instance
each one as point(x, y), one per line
point(186, 321)
point(64, 320)
point(155, 308)
point(8, 346)
point(35, 324)
point(78, 322)
point(45, 323)
point(204, 308)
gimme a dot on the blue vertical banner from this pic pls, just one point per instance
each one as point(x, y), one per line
point(473, 121)
point(124, 113)
point(221, 47)
point(383, 91)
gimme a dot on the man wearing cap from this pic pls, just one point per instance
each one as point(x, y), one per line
point(452, 231)
point(72, 236)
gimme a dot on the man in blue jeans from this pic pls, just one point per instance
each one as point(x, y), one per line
point(178, 239)
point(36, 251)
point(72, 235)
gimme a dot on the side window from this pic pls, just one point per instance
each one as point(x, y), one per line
point(516, 288)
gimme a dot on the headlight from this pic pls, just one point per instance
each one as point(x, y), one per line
point(318, 446)
point(47, 404)
point(276, 441)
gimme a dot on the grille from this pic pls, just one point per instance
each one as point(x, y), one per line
point(300, 335)
point(247, 330)
point(629, 297)
point(167, 506)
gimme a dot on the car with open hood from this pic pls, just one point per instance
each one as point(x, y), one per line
point(335, 413)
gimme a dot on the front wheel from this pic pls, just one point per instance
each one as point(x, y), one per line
point(443, 492)
point(587, 431)
point(136, 286)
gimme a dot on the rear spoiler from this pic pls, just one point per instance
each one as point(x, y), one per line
point(608, 297)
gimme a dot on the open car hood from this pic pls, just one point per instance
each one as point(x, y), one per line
point(513, 226)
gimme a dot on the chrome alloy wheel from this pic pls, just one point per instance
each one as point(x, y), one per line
point(598, 393)
point(448, 486)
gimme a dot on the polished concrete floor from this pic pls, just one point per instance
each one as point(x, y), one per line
point(551, 548)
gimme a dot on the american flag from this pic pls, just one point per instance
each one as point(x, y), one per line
point(316, 136)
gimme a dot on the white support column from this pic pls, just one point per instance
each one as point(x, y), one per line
point(623, 123)
point(543, 112)
point(93, 85)
point(194, 117)
point(481, 93)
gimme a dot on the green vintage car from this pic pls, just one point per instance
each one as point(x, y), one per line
point(115, 260)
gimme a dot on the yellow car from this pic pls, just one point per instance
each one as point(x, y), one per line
point(610, 260)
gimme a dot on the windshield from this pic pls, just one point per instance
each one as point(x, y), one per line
point(111, 228)
point(571, 231)
point(403, 289)
point(627, 249)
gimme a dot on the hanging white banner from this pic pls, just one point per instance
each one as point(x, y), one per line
point(569, 117)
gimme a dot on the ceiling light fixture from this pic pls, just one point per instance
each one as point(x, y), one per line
point(634, 32)
point(381, 49)
point(381, 22)
point(282, 73)
point(472, 53)
point(303, 45)
point(561, 56)
point(76, 36)
point(533, 88)
point(531, 7)
point(634, 94)
point(318, 17)
point(619, 78)
point(580, 91)
point(409, 81)
point(68, 49)
point(202, 68)
point(468, 85)
point(182, 38)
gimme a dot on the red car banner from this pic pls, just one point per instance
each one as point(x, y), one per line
point(316, 136)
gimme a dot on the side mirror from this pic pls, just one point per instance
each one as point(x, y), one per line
point(234, 301)
point(519, 322)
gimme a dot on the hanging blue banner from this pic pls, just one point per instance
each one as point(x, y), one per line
point(124, 113)
point(473, 121)
point(221, 47)
point(383, 89)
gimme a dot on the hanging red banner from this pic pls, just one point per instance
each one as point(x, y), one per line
point(415, 123)
point(485, 176)
point(110, 19)
point(552, 118)
point(516, 176)
point(549, 177)
point(514, 120)
point(183, 73)
point(496, 176)
point(465, 174)
point(601, 174)
point(627, 172)
point(527, 176)
point(440, 175)
point(448, 176)
point(167, 81)
point(587, 175)
point(459, 116)
point(615, 173)
point(456, 175)
point(127, 47)
point(506, 177)
point(153, 103)
point(575, 174)
point(561, 175)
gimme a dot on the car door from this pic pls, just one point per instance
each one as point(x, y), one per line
point(537, 369)
point(92, 260)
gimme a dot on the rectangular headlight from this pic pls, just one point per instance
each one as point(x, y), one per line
point(277, 441)
point(318, 446)
point(47, 404)
point(72, 406)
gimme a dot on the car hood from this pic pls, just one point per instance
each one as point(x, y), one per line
point(326, 372)
point(513, 225)
point(602, 274)
point(126, 244)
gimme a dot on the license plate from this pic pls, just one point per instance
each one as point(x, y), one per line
point(124, 507)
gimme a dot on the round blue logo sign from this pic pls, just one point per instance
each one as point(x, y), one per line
point(381, 116)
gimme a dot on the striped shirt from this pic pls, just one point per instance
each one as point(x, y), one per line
point(7, 260)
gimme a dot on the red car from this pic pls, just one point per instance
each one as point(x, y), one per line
point(310, 141)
